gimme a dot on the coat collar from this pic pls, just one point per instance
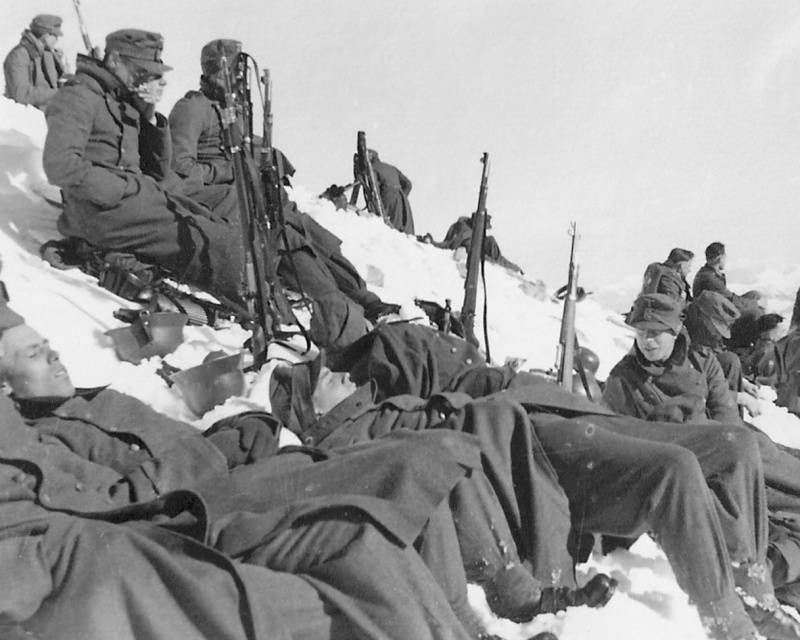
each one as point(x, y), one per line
point(94, 75)
point(36, 408)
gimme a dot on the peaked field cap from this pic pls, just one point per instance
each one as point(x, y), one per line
point(718, 309)
point(141, 47)
point(211, 54)
point(656, 311)
point(46, 23)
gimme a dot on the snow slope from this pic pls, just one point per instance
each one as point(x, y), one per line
point(69, 308)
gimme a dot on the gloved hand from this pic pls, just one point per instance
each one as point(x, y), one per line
point(245, 438)
point(680, 409)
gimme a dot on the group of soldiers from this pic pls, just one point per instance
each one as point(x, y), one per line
point(417, 466)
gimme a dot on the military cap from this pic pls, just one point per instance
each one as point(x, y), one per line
point(46, 23)
point(336, 321)
point(211, 54)
point(656, 311)
point(718, 309)
point(140, 47)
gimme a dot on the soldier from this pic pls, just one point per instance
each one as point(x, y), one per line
point(393, 188)
point(711, 276)
point(708, 321)
point(460, 235)
point(199, 155)
point(664, 379)
point(669, 277)
point(34, 69)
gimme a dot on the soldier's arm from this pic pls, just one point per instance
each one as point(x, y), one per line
point(18, 82)
point(720, 404)
point(187, 123)
point(70, 117)
point(405, 183)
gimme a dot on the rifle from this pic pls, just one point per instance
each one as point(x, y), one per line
point(367, 178)
point(474, 261)
point(567, 342)
point(267, 306)
point(93, 52)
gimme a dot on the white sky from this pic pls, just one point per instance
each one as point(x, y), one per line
point(653, 124)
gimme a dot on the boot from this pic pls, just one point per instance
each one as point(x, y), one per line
point(515, 595)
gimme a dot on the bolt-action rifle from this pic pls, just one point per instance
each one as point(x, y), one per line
point(266, 302)
point(93, 52)
point(475, 262)
point(567, 353)
point(365, 175)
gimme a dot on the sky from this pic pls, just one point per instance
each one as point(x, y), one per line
point(651, 124)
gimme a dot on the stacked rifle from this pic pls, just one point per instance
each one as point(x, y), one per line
point(260, 202)
point(364, 176)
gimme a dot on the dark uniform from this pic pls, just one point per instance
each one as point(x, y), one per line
point(32, 72)
point(690, 388)
point(92, 152)
point(664, 277)
point(460, 235)
point(394, 188)
point(609, 450)
point(199, 156)
point(293, 512)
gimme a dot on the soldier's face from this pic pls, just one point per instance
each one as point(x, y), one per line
point(655, 345)
point(31, 368)
point(49, 40)
point(685, 267)
point(331, 389)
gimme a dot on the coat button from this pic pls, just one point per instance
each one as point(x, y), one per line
point(78, 486)
point(441, 415)
point(468, 360)
point(135, 447)
point(453, 349)
point(44, 498)
point(308, 440)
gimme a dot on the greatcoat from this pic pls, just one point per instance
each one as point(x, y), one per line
point(199, 155)
point(93, 455)
point(394, 188)
point(601, 458)
point(690, 388)
point(32, 72)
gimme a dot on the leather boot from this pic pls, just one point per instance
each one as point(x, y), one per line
point(515, 595)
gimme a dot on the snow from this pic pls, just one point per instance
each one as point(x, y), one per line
point(524, 320)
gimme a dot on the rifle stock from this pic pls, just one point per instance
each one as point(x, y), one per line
point(475, 258)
